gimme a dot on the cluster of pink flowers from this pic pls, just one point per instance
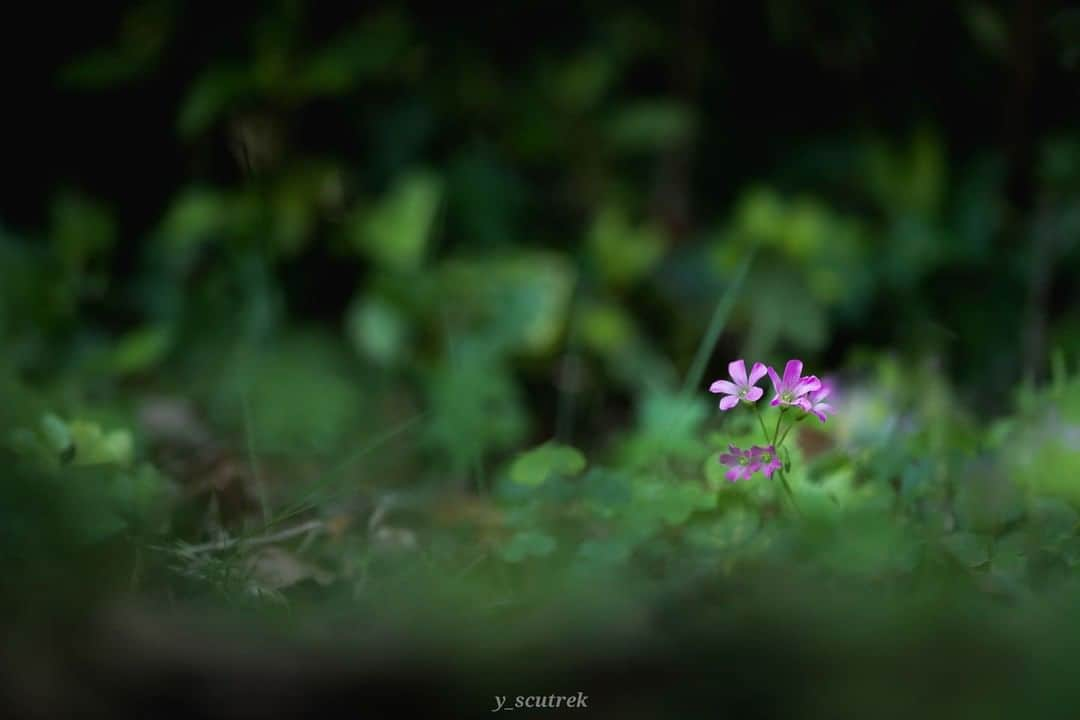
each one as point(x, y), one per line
point(744, 463)
point(805, 393)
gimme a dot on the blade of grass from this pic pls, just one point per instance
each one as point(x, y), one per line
point(716, 325)
point(254, 541)
point(323, 480)
point(249, 436)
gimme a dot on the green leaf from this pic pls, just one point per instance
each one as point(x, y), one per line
point(668, 424)
point(527, 544)
point(1055, 520)
point(140, 350)
point(396, 232)
point(733, 529)
point(1070, 551)
point(136, 492)
point(987, 500)
point(376, 329)
point(211, 95)
point(612, 551)
point(581, 82)
point(94, 446)
point(1010, 555)
point(517, 302)
point(780, 310)
point(371, 49)
point(466, 395)
point(671, 503)
point(623, 253)
point(1042, 453)
point(99, 525)
point(605, 327)
point(196, 216)
point(300, 395)
point(57, 435)
point(534, 467)
point(605, 492)
point(968, 548)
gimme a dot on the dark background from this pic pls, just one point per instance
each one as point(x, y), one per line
point(783, 93)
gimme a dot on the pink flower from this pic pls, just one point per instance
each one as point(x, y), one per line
point(794, 386)
point(741, 462)
point(743, 388)
point(815, 402)
point(765, 459)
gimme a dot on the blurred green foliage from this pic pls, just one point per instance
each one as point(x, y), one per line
point(438, 291)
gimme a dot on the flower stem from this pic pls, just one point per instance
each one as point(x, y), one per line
point(761, 422)
point(784, 436)
point(791, 495)
point(776, 432)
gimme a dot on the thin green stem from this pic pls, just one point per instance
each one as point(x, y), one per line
point(761, 422)
point(784, 436)
point(260, 486)
point(776, 432)
point(791, 495)
point(716, 325)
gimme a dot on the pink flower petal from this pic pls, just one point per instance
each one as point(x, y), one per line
point(792, 372)
point(729, 401)
point(775, 380)
point(821, 410)
point(723, 386)
point(757, 372)
point(737, 369)
point(810, 383)
point(754, 394)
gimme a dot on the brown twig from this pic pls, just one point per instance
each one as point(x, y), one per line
point(308, 527)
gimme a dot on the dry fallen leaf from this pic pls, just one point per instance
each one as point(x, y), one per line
point(275, 568)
